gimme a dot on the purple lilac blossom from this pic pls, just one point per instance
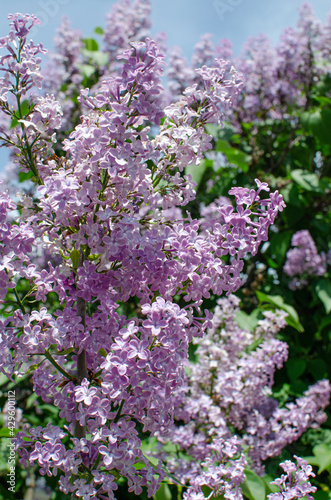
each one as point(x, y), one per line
point(295, 482)
point(226, 403)
point(276, 77)
point(100, 208)
point(303, 260)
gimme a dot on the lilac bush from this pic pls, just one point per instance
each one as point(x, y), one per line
point(226, 418)
point(101, 208)
point(276, 78)
point(106, 213)
point(303, 260)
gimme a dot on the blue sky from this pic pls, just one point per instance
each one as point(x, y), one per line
point(184, 21)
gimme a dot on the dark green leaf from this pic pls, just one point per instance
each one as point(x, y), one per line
point(317, 368)
point(295, 368)
point(321, 495)
point(323, 290)
point(163, 493)
point(253, 486)
point(318, 123)
point(324, 85)
point(279, 244)
point(308, 181)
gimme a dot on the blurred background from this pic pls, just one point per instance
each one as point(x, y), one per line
point(183, 21)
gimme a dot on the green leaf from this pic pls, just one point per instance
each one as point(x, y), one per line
point(32, 368)
point(292, 195)
point(321, 495)
point(99, 31)
point(24, 176)
point(234, 155)
point(253, 486)
point(279, 243)
point(326, 321)
point(212, 129)
point(308, 181)
point(8, 433)
point(247, 321)
point(163, 493)
point(323, 453)
point(324, 85)
point(295, 368)
point(318, 123)
point(103, 352)
point(25, 108)
point(270, 488)
point(49, 408)
point(225, 132)
point(196, 171)
point(3, 379)
point(323, 290)
point(223, 146)
point(90, 44)
point(278, 302)
point(312, 460)
point(31, 399)
point(318, 368)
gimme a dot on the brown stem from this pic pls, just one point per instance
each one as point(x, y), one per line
point(80, 430)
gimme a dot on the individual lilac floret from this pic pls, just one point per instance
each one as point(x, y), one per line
point(295, 483)
point(303, 260)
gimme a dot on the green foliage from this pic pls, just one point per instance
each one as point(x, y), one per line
point(277, 301)
point(323, 290)
point(254, 487)
point(90, 44)
point(163, 493)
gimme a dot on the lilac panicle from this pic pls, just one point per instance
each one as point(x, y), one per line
point(127, 22)
point(303, 260)
point(24, 62)
point(226, 404)
point(295, 482)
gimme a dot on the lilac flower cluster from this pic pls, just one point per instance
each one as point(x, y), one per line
point(126, 22)
point(226, 405)
point(62, 75)
point(22, 76)
point(295, 482)
point(103, 208)
point(276, 77)
point(21, 58)
point(303, 260)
